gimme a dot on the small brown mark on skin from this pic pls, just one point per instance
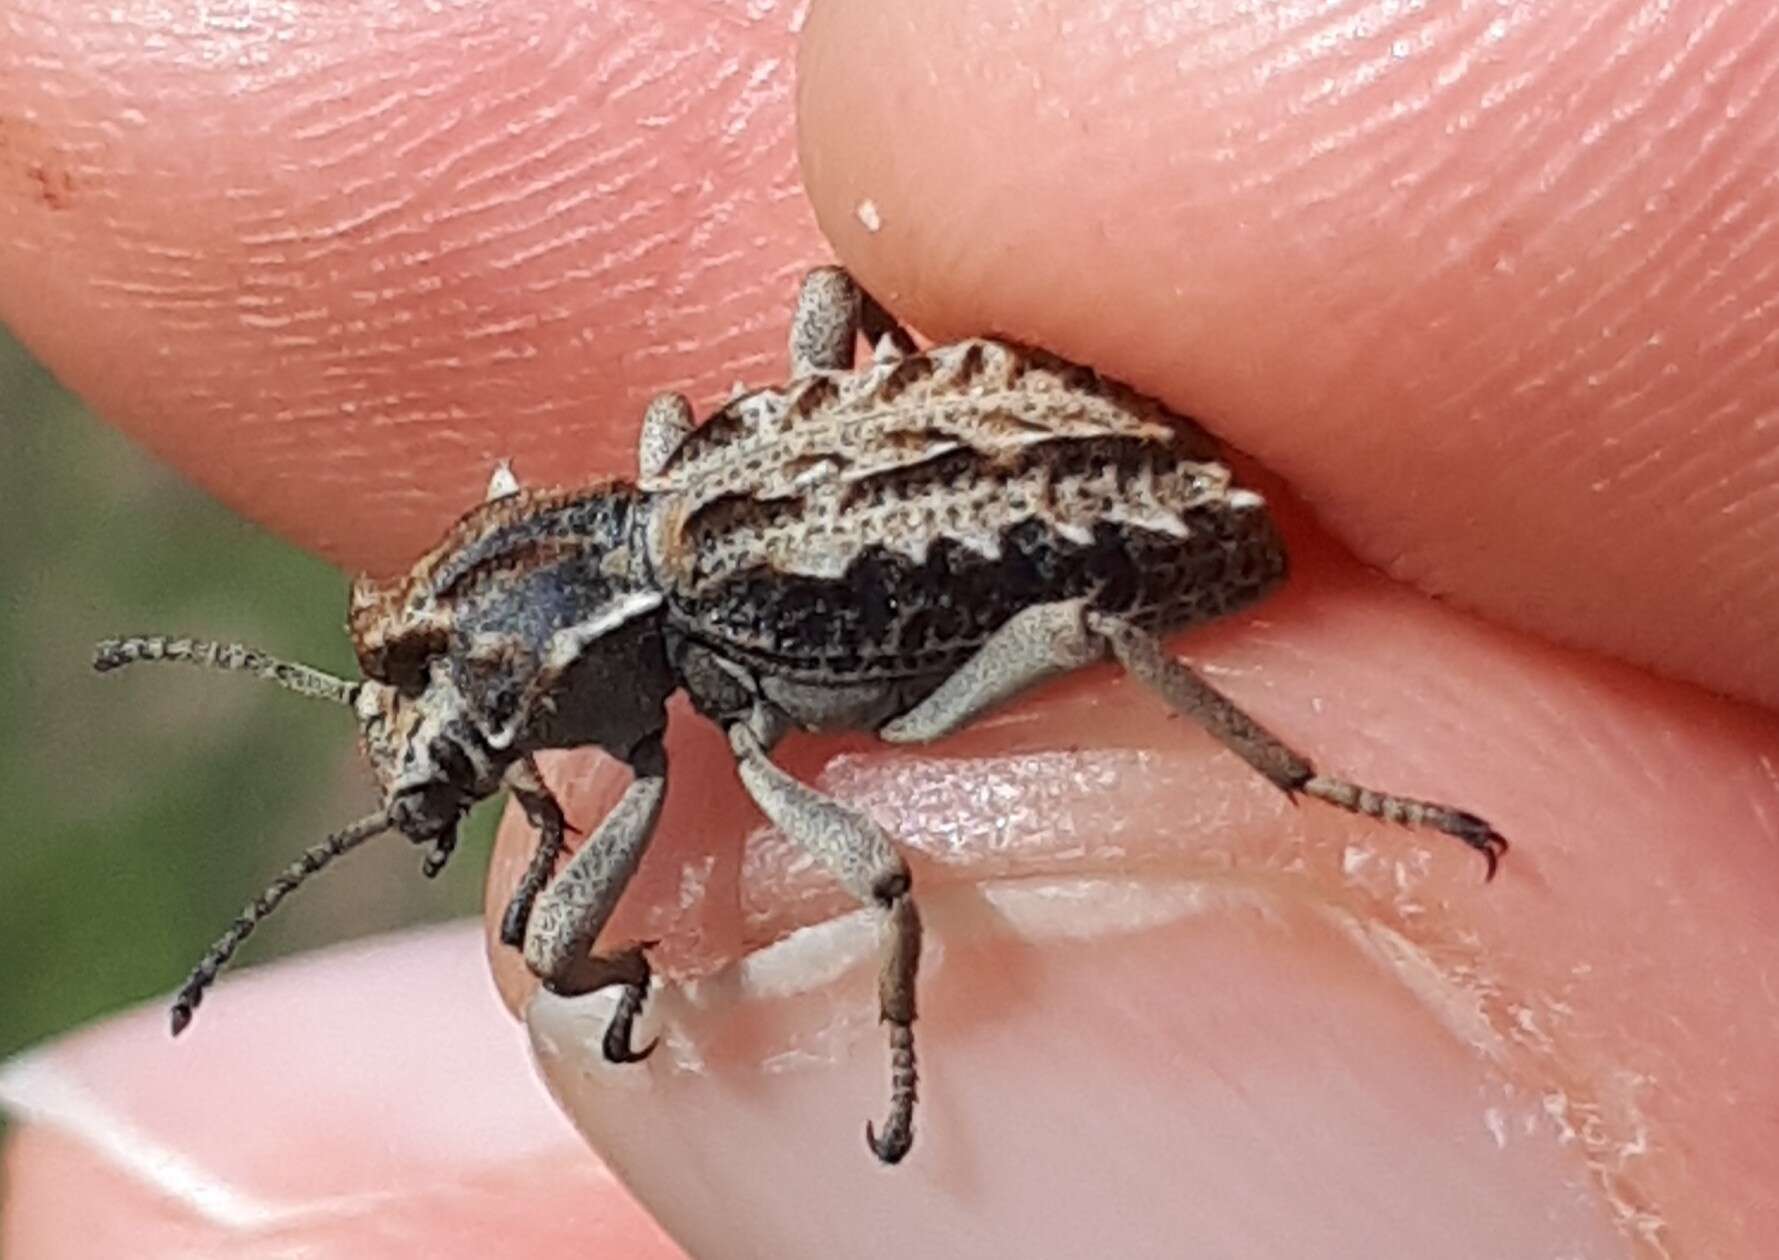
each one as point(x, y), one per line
point(44, 173)
point(55, 186)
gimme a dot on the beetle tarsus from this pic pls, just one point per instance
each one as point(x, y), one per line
point(1476, 833)
point(623, 1023)
point(898, 1129)
point(897, 1137)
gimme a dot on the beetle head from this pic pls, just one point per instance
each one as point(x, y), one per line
point(429, 757)
point(428, 754)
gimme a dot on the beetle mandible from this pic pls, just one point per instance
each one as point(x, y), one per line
point(894, 548)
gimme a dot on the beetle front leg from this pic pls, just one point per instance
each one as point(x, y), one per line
point(545, 816)
point(1148, 659)
point(861, 855)
point(575, 906)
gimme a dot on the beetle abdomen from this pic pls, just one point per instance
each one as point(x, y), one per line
point(892, 617)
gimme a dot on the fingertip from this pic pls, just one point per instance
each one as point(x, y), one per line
point(1064, 1113)
point(1474, 341)
point(1075, 809)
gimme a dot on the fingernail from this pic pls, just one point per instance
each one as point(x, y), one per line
point(1109, 1066)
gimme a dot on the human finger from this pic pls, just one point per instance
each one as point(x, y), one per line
point(1494, 289)
point(372, 1101)
point(1163, 1004)
point(333, 263)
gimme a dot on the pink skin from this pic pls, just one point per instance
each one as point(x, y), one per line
point(296, 1118)
point(1492, 290)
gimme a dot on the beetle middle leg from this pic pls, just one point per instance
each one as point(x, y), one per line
point(666, 424)
point(864, 859)
point(576, 905)
point(1050, 638)
point(831, 313)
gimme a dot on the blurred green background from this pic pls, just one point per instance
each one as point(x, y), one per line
point(144, 808)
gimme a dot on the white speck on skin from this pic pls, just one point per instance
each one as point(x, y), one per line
point(869, 216)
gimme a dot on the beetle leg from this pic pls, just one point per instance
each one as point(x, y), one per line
point(831, 313)
point(577, 903)
point(861, 855)
point(545, 816)
point(825, 323)
point(442, 849)
point(1148, 659)
point(664, 426)
point(1032, 645)
point(1050, 639)
point(629, 968)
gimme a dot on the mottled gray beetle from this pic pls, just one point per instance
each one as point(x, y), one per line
point(896, 548)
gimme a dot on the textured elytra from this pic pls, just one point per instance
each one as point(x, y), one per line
point(945, 444)
point(856, 525)
point(884, 522)
point(897, 548)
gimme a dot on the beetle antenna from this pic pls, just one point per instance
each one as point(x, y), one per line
point(313, 859)
point(116, 653)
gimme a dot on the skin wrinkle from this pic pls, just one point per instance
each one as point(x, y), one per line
point(1605, 299)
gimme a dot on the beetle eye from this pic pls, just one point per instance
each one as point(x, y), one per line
point(403, 663)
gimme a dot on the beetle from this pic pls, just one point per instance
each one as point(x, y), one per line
point(896, 547)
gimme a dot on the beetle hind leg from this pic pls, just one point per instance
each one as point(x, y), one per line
point(1034, 644)
point(1145, 657)
point(861, 855)
point(1049, 639)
